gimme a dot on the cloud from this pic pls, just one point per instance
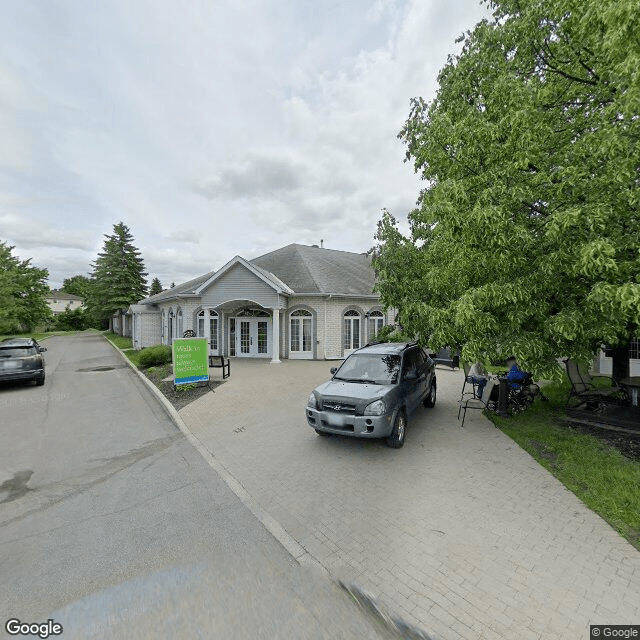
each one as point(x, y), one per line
point(39, 233)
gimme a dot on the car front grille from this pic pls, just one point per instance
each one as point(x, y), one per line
point(339, 407)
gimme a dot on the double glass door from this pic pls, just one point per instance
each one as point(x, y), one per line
point(253, 337)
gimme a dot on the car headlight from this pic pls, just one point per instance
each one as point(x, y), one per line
point(312, 402)
point(376, 408)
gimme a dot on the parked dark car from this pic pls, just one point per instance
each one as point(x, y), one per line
point(21, 359)
point(373, 392)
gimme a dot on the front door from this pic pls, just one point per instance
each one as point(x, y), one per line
point(253, 339)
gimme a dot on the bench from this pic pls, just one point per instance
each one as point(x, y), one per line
point(220, 362)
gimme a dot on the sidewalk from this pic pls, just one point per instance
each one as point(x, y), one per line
point(460, 532)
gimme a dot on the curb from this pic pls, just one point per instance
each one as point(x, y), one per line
point(294, 548)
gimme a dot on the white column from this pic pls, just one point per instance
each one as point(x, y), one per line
point(275, 337)
point(207, 328)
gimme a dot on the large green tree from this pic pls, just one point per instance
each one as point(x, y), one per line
point(77, 285)
point(526, 237)
point(23, 292)
point(118, 277)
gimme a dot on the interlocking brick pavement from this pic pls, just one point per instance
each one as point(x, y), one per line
point(460, 532)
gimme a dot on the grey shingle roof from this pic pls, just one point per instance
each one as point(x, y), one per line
point(185, 289)
point(303, 269)
point(314, 270)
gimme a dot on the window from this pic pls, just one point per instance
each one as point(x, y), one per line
point(201, 333)
point(179, 327)
point(376, 322)
point(300, 334)
point(351, 330)
point(213, 330)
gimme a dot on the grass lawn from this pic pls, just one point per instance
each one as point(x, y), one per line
point(604, 479)
point(125, 344)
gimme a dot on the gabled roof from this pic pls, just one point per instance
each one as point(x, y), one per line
point(294, 269)
point(324, 271)
point(265, 276)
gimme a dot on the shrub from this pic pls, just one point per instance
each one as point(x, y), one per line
point(156, 355)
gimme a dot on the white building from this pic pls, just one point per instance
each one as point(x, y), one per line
point(296, 302)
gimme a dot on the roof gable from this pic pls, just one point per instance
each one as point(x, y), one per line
point(268, 278)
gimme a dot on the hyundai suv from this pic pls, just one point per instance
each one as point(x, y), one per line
point(21, 359)
point(373, 392)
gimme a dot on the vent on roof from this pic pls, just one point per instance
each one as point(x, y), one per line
point(315, 246)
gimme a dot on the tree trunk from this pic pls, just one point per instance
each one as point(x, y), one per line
point(620, 356)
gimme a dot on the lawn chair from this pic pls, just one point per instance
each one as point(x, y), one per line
point(583, 389)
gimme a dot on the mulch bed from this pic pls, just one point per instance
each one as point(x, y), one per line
point(182, 396)
point(625, 441)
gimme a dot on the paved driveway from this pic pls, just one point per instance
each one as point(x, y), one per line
point(461, 532)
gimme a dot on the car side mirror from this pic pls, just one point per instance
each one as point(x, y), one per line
point(41, 349)
point(333, 370)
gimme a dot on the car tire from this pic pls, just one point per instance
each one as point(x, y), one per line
point(322, 433)
point(430, 399)
point(40, 381)
point(396, 439)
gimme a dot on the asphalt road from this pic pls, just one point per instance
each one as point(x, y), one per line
point(113, 525)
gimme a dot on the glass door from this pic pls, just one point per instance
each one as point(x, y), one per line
point(245, 337)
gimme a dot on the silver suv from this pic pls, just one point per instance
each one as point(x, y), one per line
point(373, 392)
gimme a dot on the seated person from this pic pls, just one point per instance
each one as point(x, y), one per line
point(479, 376)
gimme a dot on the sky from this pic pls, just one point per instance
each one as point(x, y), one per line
point(211, 128)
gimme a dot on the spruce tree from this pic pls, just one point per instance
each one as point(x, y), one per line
point(119, 278)
point(156, 287)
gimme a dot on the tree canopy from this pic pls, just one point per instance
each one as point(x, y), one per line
point(23, 293)
point(526, 237)
point(77, 285)
point(119, 278)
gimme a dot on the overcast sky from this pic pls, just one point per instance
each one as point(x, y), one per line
point(210, 127)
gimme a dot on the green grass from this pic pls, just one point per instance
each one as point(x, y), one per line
point(126, 345)
point(605, 480)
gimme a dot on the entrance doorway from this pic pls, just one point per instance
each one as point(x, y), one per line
point(252, 337)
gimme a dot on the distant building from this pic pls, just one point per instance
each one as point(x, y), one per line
point(296, 302)
point(60, 301)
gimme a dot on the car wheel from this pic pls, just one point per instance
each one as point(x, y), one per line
point(430, 400)
point(40, 381)
point(322, 433)
point(396, 439)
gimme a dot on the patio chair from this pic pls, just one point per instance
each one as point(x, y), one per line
point(477, 383)
point(583, 389)
point(471, 403)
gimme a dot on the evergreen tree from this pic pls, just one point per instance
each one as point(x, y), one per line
point(118, 278)
point(156, 287)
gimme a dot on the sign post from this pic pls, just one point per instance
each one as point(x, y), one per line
point(190, 360)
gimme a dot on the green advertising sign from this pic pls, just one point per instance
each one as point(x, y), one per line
point(190, 360)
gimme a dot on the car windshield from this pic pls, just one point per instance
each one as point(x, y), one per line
point(17, 352)
point(370, 367)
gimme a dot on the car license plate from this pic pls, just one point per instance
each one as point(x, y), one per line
point(336, 420)
point(11, 364)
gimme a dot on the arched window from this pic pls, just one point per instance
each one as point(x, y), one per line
point(376, 322)
point(300, 333)
point(351, 330)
